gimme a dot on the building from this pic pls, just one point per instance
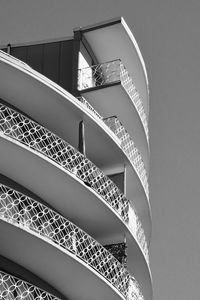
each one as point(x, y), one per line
point(75, 219)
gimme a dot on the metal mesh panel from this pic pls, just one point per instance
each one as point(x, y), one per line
point(135, 158)
point(13, 288)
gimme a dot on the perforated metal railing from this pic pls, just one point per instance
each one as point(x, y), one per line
point(13, 288)
point(30, 215)
point(133, 93)
point(135, 158)
point(129, 149)
point(110, 72)
point(98, 75)
point(140, 236)
point(36, 137)
point(127, 143)
point(89, 107)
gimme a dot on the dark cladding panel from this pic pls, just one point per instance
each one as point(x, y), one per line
point(66, 54)
point(51, 58)
point(35, 56)
point(20, 53)
point(118, 179)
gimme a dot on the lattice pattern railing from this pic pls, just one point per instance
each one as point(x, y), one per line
point(135, 158)
point(98, 75)
point(34, 136)
point(133, 93)
point(110, 72)
point(129, 148)
point(140, 235)
point(31, 215)
point(126, 143)
point(13, 288)
point(89, 107)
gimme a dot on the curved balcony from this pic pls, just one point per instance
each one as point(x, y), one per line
point(110, 91)
point(36, 95)
point(134, 157)
point(44, 223)
point(111, 72)
point(126, 143)
point(35, 137)
point(113, 39)
point(12, 287)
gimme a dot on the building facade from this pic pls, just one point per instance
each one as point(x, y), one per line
point(75, 218)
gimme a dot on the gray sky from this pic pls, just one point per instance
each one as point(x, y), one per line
point(168, 33)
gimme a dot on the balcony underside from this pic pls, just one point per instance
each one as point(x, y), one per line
point(62, 270)
point(72, 198)
point(115, 41)
point(112, 100)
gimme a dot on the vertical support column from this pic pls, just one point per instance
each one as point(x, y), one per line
point(76, 49)
point(81, 139)
point(8, 48)
point(125, 189)
point(125, 252)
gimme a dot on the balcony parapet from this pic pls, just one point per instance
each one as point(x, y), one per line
point(12, 287)
point(37, 219)
point(89, 107)
point(41, 140)
point(108, 73)
point(140, 236)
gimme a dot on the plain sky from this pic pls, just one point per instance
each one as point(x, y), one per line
point(168, 34)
